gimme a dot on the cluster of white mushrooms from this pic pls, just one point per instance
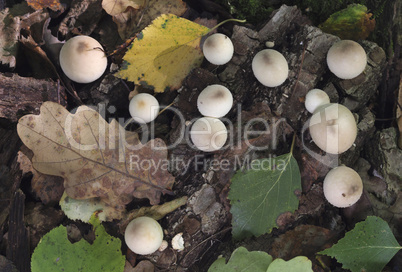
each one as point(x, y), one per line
point(269, 66)
point(209, 133)
point(333, 127)
point(215, 101)
point(83, 60)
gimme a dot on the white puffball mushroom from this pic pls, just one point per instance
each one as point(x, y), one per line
point(346, 59)
point(218, 49)
point(144, 108)
point(208, 134)
point(333, 128)
point(215, 101)
point(342, 186)
point(270, 67)
point(315, 98)
point(83, 59)
point(143, 235)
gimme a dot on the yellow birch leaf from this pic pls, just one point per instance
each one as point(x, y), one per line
point(164, 53)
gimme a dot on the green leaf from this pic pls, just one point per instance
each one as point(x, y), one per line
point(244, 261)
point(353, 23)
point(55, 252)
point(164, 53)
point(368, 247)
point(299, 264)
point(259, 195)
point(83, 209)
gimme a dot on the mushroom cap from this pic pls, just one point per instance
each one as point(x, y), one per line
point(315, 98)
point(342, 186)
point(144, 108)
point(208, 134)
point(215, 101)
point(333, 128)
point(346, 59)
point(82, 59)
point(143, 235)
point(270, 67)
point(218, 49)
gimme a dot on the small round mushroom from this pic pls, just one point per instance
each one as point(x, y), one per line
point(143, 235)
point(270, 67)
point(346, 59)
point(342, 186)
point(215, 101)
point(218, 49)
point(208, 134)
point(144, 108)
point(83, 59)
point(333, 128)
point(315, 98)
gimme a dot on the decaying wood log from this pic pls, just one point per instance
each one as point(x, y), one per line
point(21, 95)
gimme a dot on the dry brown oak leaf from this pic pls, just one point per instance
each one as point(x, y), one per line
point(95, 158)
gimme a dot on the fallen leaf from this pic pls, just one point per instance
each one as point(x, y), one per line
point(133, 19)
point(81, 18)
point(41, 66)
point(300, 264)
point(261, 194)
point(368, 247)
point(164, 53)
point(41, 4)
point(56, 253)
point(304, 240)
point(114, 7)
point(158, 7)
point(11, 22)
point(353, 23)
point(52, 45)
point(9, 33)
point(127, 22)
point(243, 260)
point(95, 157)
point(83, 209)
point(48, 189)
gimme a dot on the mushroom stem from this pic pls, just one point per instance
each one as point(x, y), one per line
point(224, 22)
